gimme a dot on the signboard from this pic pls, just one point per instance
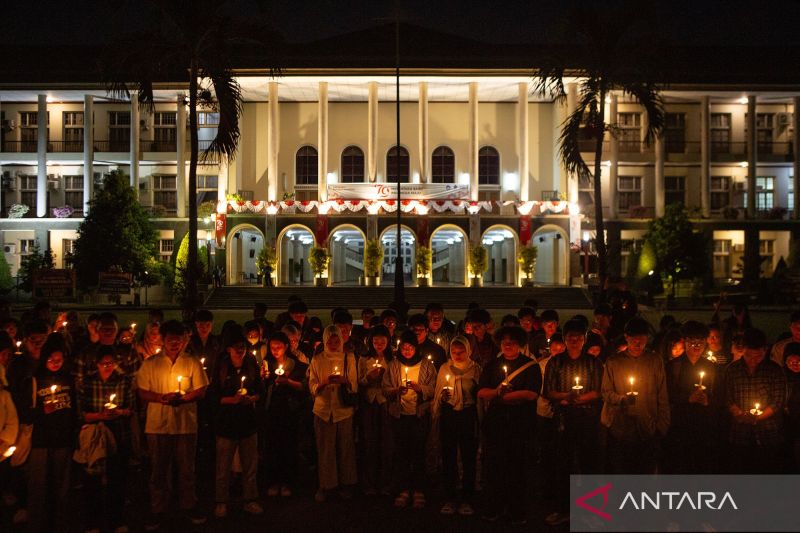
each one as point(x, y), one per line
point(56, 283)
point(114, 282)
point(388, 191)
point(220, 226)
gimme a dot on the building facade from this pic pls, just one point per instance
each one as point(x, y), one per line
point(478, 160)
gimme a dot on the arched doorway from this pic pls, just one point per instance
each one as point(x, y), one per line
point(449, 256)
point(552, 261)
point(501, 242)
point(244, 244)
point(347, 255)
point(409, 244)
point(295, 243)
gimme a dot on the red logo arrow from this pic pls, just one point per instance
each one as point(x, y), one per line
point(581, 502)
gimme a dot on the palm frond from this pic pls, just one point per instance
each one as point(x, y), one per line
point(570, 147)
point(229, 101)
point(648, 95)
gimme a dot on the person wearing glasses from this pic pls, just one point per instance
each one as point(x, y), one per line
point(692, 385)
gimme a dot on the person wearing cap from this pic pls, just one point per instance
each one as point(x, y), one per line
point(332, 375)
point(408, 385)
point(791, 368)
point(455, 414)
point(693, 390)
point(756, 433)
point(776, 354)
point(635, 403)
point(577, 411)
point(510, 385)
point(234, 392)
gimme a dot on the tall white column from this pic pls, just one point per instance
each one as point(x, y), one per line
point(273, 142)
point(705, 156)
point(424, 150)
point(41, 157)
point(613, 171)
point(522, 141)
point(473, 140)
point(222, 179)
point(322, 142)
point(660, 195)
point(180, 156)
point(572, 179)
point(796, 152)
point(88, 151)
point(134, 149)
point(752, 156)
point(372, 133)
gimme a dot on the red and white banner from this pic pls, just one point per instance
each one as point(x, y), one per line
point(220, 227)
point(525, 230)
point(388, 191)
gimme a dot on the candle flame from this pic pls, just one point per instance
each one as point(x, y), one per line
point(133, 325)
point(19, 343)
point(447, 378)
point(180, 378)
point(631, 380)
point(758, 405)
point(111, 398)
point(10, 451)
point(577, 380)
point(53, 389)
point(702, 374)
point(243, 380)
point(64, 323)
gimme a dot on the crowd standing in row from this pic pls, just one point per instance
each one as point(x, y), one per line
point(394, 408)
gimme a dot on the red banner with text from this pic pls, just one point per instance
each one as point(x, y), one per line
point(322, 229)
point(524, 230)
point(220, 227)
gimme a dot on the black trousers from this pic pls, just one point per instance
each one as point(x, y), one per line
point(458, 431)
point(506, 464)
point(280, 448)
point(410, 435)
point(632, 454)
point(104, 497)
point(577, 449)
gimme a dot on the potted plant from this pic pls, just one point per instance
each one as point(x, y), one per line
point(527, 258)
point(423, 261)
point(266, 261)
point(373, 259)
point(478, 263)
point(298, 269)
point(318, 258)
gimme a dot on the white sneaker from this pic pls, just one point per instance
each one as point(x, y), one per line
point(253, 508)
point(221, 510)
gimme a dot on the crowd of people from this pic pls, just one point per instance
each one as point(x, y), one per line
point(483, 409)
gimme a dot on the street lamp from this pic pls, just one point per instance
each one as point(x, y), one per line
point(585, 250)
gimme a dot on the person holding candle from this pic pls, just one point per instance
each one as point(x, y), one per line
point(716, 351)
point(429, 349)
point(171, 425)
point(572, 382)
point(776, 353)
point(455, 414)
point(376, 430)
point(408, 385)
point(95, 406)
point(540, 345)
point(635, 403)
point(295, 337)
point(203, 344)
point(482, 345)
point(755, 439)
point(53, 439)
point(286, 394)
point(508, 425)
point(692, 386)
point(361, 331)
point(234, 393)
point(332, 377)
point(151, 342)
point(440, 329)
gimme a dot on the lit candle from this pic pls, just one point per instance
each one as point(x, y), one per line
point(430, 358)
point(376, 364)
point(203, 362)
point(10, 451)
point(631, 380)
point(242, 390)
point(279, 371)
point(133, 326)
point(111, 404)
point(505, 371)
point(447, 383)
point(702, 374)
point(711, 357)
point(407, 377)
point(577, 385)
point(180, 379)
point(158, 351)
point(64, 324)
point(53, 389)
point(757, 410)
point(335, 371)
point(438, 340)
point(19, 345)
point(254, 353)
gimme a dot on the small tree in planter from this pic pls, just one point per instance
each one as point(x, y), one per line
point(478, 263)
point(319, 258)
point(266, 261)
point(373, 259)
point(423, 261)
point(527, 258)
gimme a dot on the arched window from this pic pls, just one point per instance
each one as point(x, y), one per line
point(488, 166)
point(391, 165)
point(352, 165)
point(443, 165)
point(306, 170)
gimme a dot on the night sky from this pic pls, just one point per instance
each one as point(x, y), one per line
point(692, 22)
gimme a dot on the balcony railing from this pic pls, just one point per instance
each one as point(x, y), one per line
point(20, 147)
point(158, 146)
point(112, 146)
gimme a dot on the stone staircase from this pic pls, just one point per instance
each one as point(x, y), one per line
point(354, 298)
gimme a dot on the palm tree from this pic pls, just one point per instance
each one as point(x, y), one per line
point(609, 57)
point(197, 40)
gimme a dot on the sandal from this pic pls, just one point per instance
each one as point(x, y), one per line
point(402, 499)
point(419, 500)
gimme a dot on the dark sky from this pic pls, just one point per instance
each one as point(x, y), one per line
point(696, 22)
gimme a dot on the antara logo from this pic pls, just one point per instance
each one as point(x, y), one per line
point(677, 500)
